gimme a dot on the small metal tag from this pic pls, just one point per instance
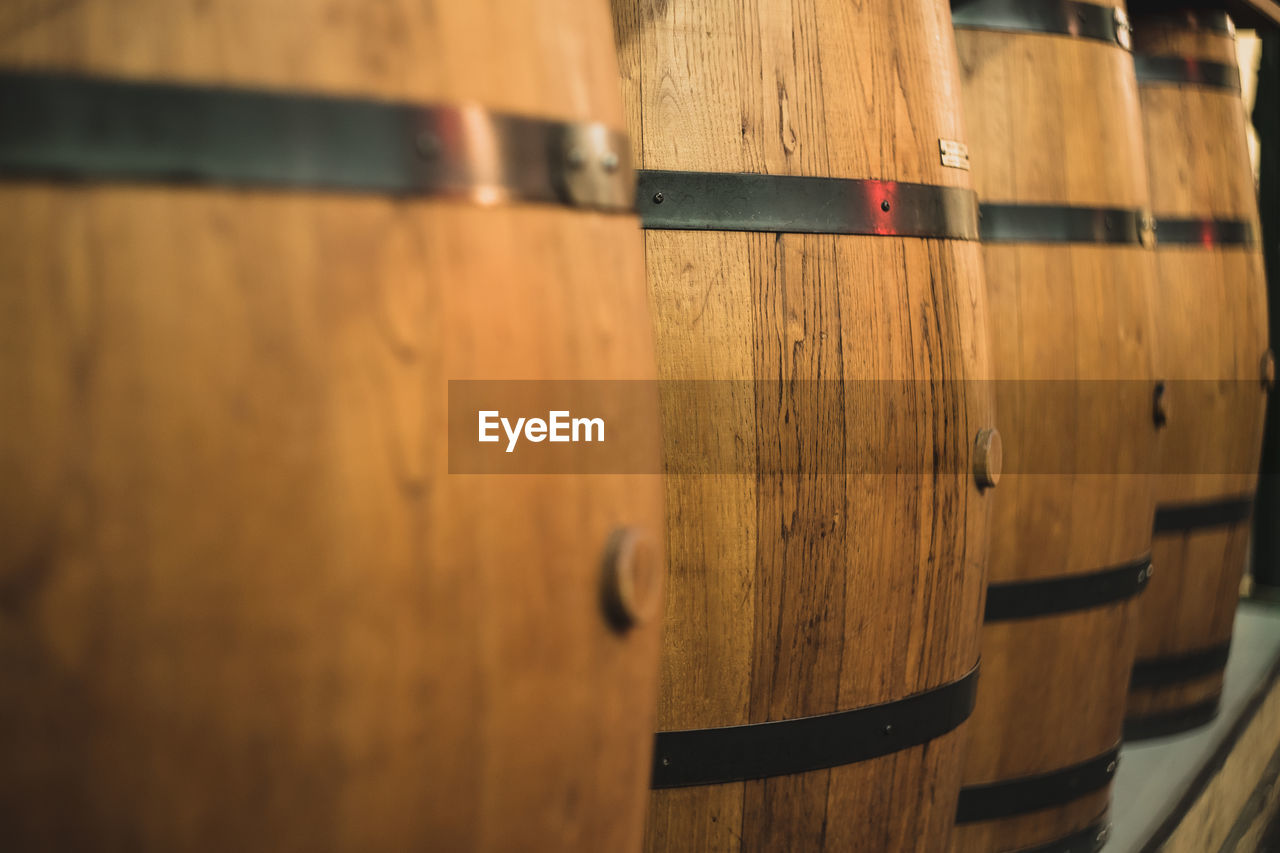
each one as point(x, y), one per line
point(954, 154)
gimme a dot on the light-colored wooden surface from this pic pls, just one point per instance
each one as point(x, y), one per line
point(1208, 824)
point(1211, 317)
point(1173, 779)
point(243, 606)
point(1054, 120)
point(814, 591)
point(1256, 828)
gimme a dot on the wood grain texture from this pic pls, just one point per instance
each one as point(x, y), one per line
point(243, 606)
point(1054, 120)
point(1212, 318)
point(816, 590)
point(1213, 820)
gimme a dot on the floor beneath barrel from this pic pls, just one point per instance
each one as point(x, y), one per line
point(1155, 776)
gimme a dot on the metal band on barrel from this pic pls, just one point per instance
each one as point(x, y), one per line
point(1010, 797)
point(63, 126)
point(1208, 233)
point(1176, 669)
point(1047, 223)
point(736, 201)
point(760, 750)
point(1091, 839)
point(1163, 723)
point(1047, 596)
point(1052, 17)
point(1186, 69)
point(1214, 20)
point(1197, 515)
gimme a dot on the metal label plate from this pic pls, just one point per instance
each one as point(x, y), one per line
point(954, 154)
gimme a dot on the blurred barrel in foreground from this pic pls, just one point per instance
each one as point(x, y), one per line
point(243, 605)
point(1211, 315)
point(1052, 107)
point(813, 261)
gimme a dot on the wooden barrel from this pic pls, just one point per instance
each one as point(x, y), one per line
point(243, 604)
point(1056, 142)
point(812, 270)
point(1212, 319)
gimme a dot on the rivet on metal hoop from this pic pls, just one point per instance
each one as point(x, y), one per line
point(1124, 29)
point(1147, 230)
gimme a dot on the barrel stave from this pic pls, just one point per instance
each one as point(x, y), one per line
point(259, 612)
